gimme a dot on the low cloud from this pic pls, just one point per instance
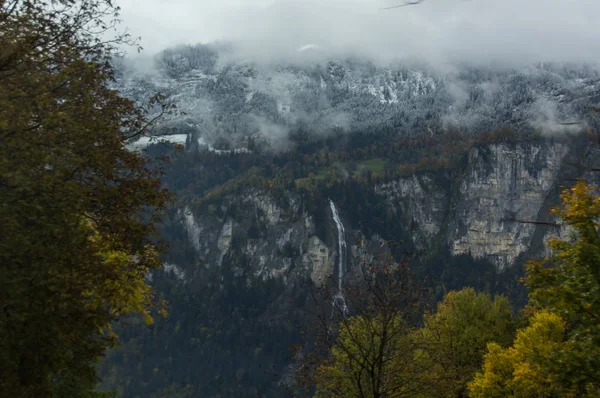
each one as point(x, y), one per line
point(494, 32)
point(549, 119)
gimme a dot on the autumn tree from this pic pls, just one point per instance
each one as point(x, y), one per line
point(567, 284)
point(372, 357)
point(453, 340)
point(381, 352)
point(558, 354)
point(517, 371)
point(77, 208)
point(368, 350)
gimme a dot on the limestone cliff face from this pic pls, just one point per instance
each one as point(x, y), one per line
point(477, 212)
point(224, 241)
point(276, 243)
point(502, 184)
point(472, 210)
point(421, 202)
point(318, 258)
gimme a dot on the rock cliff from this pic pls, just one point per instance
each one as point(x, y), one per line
point(487, 208)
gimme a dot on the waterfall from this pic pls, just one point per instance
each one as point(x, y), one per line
point(339, 299)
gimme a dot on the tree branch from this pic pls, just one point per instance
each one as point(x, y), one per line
point(406, 4)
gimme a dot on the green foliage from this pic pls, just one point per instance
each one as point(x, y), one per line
point(77, 208)
point(454, 338)
point(372, 165)
point(222, 338)
point(381, 355)
point(558, 354)
point(372, 357)
point(567, 283)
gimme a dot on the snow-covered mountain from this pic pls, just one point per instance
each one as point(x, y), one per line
point(227, 101)
point(252, 234)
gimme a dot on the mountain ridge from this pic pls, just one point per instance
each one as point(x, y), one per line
point(218, 96)
point(461, 172)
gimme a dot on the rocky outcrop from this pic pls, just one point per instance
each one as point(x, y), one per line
point(274, 242)
point(317, 258)
point(265, 204)
point(421, 202)
point(503, 184)
point(472, 210)
point(176, 271)
point(224, 241)
point(479, 214)
point(192, 227)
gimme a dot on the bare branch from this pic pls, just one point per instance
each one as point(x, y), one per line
point(406, 4)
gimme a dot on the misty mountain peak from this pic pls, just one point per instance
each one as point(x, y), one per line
point(228, 99)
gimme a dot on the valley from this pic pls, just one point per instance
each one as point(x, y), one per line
point(290, 179)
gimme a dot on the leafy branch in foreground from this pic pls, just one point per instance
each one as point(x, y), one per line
point(77, 208)
point(558, 354)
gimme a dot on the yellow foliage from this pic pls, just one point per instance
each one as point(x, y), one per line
point(454, 338)
point(566, 283)
point(123, 288)
point(518, 371)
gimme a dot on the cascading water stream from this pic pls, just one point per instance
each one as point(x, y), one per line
point(339, 301)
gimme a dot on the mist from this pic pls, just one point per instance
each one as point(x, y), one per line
point(473, 64)
point(506, 32)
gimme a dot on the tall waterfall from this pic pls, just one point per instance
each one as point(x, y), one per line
point(339, 299)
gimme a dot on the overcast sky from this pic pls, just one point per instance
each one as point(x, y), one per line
point(471, 30)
